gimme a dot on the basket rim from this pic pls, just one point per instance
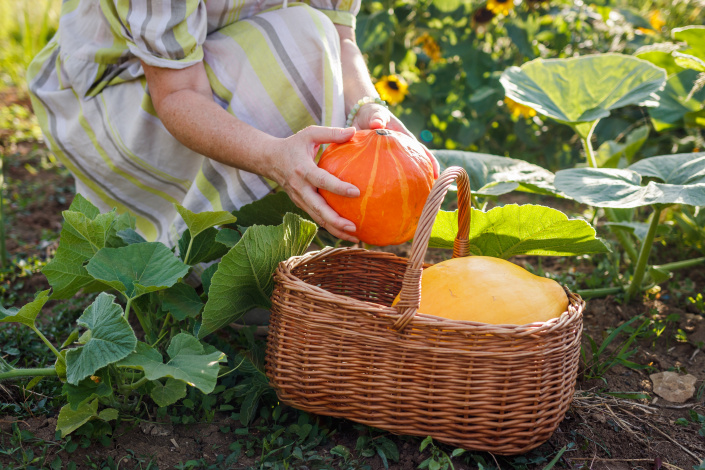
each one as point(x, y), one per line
point(284, 277)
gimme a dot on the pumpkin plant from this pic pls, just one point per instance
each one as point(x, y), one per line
point(670, 180)
point(109, 369)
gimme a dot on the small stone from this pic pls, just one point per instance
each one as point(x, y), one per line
point(674, 387)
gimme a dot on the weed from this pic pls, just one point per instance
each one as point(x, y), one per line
point(439, 459)
point(698, 302)
point(597, 360)
point(693, 418)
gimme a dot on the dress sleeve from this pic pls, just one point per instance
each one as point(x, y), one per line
point(341, 12)
point(163, 33)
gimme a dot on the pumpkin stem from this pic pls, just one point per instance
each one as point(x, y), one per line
point(382, 131)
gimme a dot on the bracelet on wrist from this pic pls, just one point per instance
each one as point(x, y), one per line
point(360, 103)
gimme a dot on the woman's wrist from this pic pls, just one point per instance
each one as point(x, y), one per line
point(360, 103)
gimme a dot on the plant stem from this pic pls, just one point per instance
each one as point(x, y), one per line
point(17, 373)
point(188, 250)
point(3, 254)
point(162, 333)
point(601, 292)
point(134, 386)
point(47, 342)
point(640, 268)
point(621, 235)
point(681, 264)
point(127, 309)
point(589, 152)
point(321, 244)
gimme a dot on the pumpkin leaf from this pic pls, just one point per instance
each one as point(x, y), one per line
point(182, 301)
point(137, 269)
point(580, 91)
point(169, 393)
point(682, 176)
point(694, 57)
point(84, 233)
point(510, 230)
point(197, 223)
point(661, 56)
point(675, 103)
point(244, 276)
point(110, 339)
point(71, 419)
point(205, 247)
point(612, 154)
point(269, 210)
point(189, 362)
point(494, 175)
point(86, 389)
point(26, 315)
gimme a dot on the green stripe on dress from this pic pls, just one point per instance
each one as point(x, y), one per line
point(263, 61)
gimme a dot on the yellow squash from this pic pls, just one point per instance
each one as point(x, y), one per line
point(489, 290)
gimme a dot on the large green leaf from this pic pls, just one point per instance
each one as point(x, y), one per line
point(244, 276)
point(84, 233)
point(693, 57)
point(26, 315)
point(580, 91)
point(188, 362)
point(682, 176)
point(495, 175)
point(269, 210)
point(71, 419)
point(197, 223)
point(512, 230)
point(675, 103)
point(138, 268)
point(109, 338)
point(661, 56)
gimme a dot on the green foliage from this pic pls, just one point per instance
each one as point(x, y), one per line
point(513, 230)
point(108, 372)
point(597, 360)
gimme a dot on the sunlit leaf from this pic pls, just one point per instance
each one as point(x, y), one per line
point(26, 315)
point(511, 230)
point(495, 175)
point(682, 176)
point(694, 56)
point(580, 91)
point(189, 362)
point(244, 276)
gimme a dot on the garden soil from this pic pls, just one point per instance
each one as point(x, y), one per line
point(602, 429)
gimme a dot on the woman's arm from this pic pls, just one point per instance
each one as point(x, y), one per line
point(184, 102)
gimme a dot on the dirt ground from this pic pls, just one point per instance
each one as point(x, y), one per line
point(601, 431)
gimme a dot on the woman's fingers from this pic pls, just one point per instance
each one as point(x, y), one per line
point(326, 135)
point(317, 207)
point(322, 179)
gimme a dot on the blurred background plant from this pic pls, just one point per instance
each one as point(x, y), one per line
point(25, 27)
point(438, 62)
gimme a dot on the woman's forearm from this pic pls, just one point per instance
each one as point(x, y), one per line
point(356, 78)
point(201, 125)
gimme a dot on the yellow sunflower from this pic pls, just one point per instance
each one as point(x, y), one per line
point(656, 21)
point(429, 46)
point(392, 88)
point(500, 7)
point(519, 109)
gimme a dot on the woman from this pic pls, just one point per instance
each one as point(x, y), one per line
point(206, 104)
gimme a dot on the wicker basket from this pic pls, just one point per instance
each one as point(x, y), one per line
point(336, 347)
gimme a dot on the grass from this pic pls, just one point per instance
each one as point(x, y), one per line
point(25, 27)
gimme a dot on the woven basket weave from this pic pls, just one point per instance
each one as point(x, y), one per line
point(336, 347)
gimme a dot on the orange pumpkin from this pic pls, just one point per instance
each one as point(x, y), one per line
point(394, 176)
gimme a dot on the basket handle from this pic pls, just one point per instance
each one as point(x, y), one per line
point(410, 296)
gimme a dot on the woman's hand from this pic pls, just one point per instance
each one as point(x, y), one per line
point(375, 116)
point(295, 170)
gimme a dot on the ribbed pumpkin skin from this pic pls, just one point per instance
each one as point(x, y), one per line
point(489, 290)
point(394, 176)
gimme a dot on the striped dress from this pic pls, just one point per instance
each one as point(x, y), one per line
point(273, 66)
